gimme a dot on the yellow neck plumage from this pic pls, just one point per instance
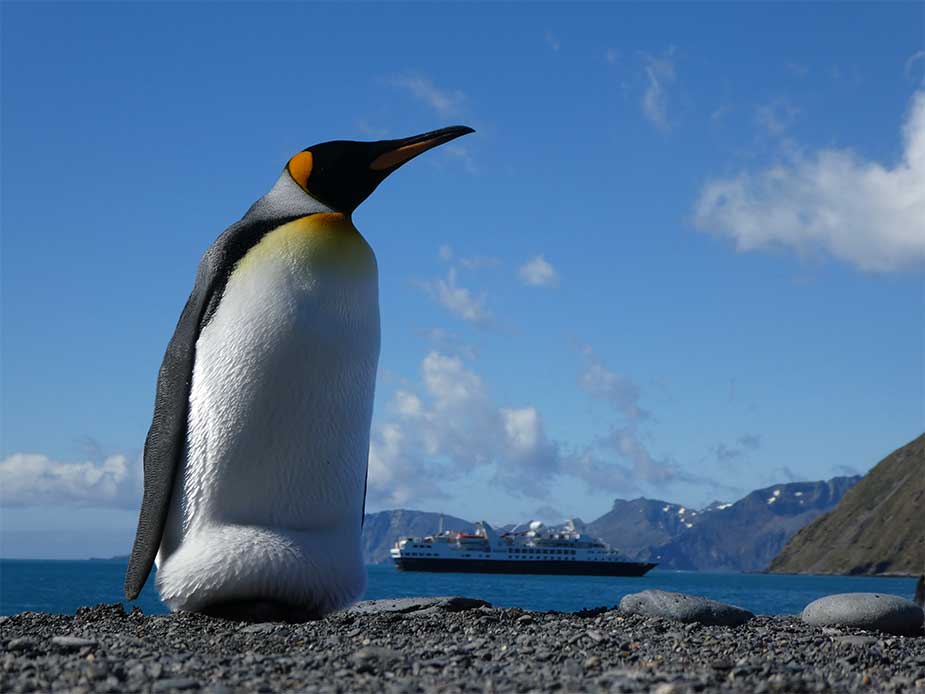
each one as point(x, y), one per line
point(323, 242)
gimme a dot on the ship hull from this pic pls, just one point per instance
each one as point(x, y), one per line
point(502, 566)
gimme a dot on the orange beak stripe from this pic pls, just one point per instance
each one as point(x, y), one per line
point(403, 154)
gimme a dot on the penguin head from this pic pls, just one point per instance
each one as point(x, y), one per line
point(342, 174)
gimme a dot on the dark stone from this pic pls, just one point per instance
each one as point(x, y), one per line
point(376, 658)
point(180, 683)
point(24, 643)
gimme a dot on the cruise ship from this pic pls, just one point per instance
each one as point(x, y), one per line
point(532, 549)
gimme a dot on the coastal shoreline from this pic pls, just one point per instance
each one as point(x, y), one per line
point(440, 644)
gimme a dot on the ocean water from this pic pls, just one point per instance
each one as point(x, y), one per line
point(63, 586)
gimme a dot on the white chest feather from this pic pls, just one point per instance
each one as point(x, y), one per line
point(282, 394)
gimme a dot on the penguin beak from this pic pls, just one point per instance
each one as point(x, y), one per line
point(394, 153)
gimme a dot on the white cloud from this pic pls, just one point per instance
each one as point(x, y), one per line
point(449, 427)
point(459, 300)
point(600, 474)
point(720, 112)
point(461, 154)
point(369, 130)
point(660, 75)
point(471, 262)
point(728, 455)
point(449, 342)
point(531, 459)
point(479, 262)
point(783, 474)
point(917, 57)
point(620, 391)
point(552, 41)
point(452, 427)
point(777, 116)
point(629, 445)
point(537, 272)
point(445, 102)
point(625, 440)
point(32, 479)
point(407, 404)
point(830, 201)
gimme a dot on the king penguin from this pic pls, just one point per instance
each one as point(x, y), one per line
point(255, 463)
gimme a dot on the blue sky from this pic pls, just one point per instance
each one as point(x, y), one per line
point(681, 257)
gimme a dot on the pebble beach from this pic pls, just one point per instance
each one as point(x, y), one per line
point(448, 645)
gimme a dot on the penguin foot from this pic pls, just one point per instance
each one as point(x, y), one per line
point(261, 611)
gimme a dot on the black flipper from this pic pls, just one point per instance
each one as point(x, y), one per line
point(167, 435)
point(164, 444)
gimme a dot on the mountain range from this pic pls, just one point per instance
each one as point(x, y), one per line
point(877, 528)
point(741, 536)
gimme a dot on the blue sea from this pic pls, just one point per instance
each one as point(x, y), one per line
point(63, 586)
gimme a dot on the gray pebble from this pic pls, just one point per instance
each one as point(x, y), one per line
point(409, 605)
point(67, 643)
point(855, 640)
point(684, 608)
point(261, 628)
point(24, 643)
point(873, 611)
point(373, 658)
point(175, 683)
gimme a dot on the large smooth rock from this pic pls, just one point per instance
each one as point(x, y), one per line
point(408, 605)
point(873, 611)
point(684, 608)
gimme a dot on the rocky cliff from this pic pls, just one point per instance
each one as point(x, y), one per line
point(877, 528)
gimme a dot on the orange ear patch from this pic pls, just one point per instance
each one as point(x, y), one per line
point(300, 168)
